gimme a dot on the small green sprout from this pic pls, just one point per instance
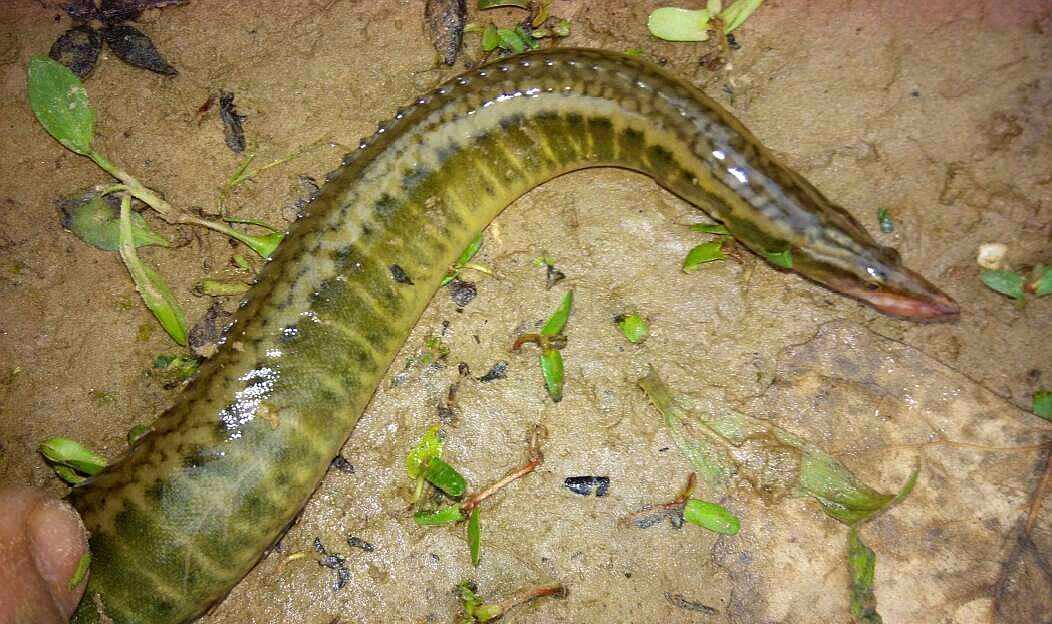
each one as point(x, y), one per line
point(674, 24)
point(474, 537)
point(151, 286)
point(445, 477)
point(782, 259)
point(887, 225)
point(551, 340)
point(704, 253)
point(633, 326)
point(416, 461)
point(80, 572)
point(1042, 404)
point(464, 261)
point(1008, 283)
point(444, 515)
point(862, 563)
point(71, 461)
point(242, 262)
point(711, 516)
point(475, 610)
point(60, 102)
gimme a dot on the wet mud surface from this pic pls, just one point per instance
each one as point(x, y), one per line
point(937, 112)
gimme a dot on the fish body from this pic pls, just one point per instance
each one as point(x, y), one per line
point(192, 507)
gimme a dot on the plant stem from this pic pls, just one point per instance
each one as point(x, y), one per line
point(527, 594)
point(138, 191)
point(536, 458)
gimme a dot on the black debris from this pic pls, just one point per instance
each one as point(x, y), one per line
point(78, 49)
point(112, 11)
point(205, 334)
point(333, 561)
point(233, 131)
point(445, 20)
point(499, 371)
point(399, 275)
point(132, 46)
point(732, 43)
point(583, 485)
point(462, 292)
point(553, 276)
point(357, 542)
point(677, 600)
point(340, 463)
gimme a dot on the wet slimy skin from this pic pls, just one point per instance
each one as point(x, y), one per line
point(188, 512)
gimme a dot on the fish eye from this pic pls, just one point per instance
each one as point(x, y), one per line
point(872, 286)
point(876, 274)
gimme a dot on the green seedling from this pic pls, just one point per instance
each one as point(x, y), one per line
point(711, 516)
point(887, 225)
point(702, 254)
point(151, 286)
point(551, 340)
point(633, 327)
point(464, 262)
point(1042, 404)
point(674, 24)
point(71, 461)
point(474, 537)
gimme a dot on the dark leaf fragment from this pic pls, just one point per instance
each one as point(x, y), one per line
point(553, 276)
point(499, 371)
point(205, 334)
point(583, 485)
point(113, 11)
point(335, 562)
point(233, 131)
point(399, 274)
point(678, 601)
point(132, 46)
point(445, 21)
point(340, 463)
point(357, 542)
point(78, 49)
point(82, 10)
point(462, 292)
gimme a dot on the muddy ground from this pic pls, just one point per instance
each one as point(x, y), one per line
point(936, 111)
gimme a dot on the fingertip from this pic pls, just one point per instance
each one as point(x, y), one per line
point(58, 542)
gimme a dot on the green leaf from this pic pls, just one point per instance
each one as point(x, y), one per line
point(60, 103)
point(561, 28)
point(491, 4)
point(474, 536)
point(711, 516)
point(1041, 281)
point(242, 262)
point(887, 225)
point(428, 448)
point(136, 433)
point(464, 258)
point(735, 15)
point(490, 38)
point(151, 286)
point(632, 326)
point(1007, 283)
point(1042, 404)
point(862, 564)
point(263, 245)
point(552, 369)
point(511, 40)
point(69, 475)
point(98, 224)
point(705, 252)
point(710, 228)
point(445, 515)
point(557, 322)
point(445, 477)
point(66, 452)
point(783, 259)
point(672, 24)
point(774, 460)
point(80, 572)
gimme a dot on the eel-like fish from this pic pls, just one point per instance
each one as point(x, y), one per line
point(192, 507)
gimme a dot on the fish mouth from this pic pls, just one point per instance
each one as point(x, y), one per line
point(934, 307)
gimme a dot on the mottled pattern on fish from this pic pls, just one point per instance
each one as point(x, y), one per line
point(185, 515)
